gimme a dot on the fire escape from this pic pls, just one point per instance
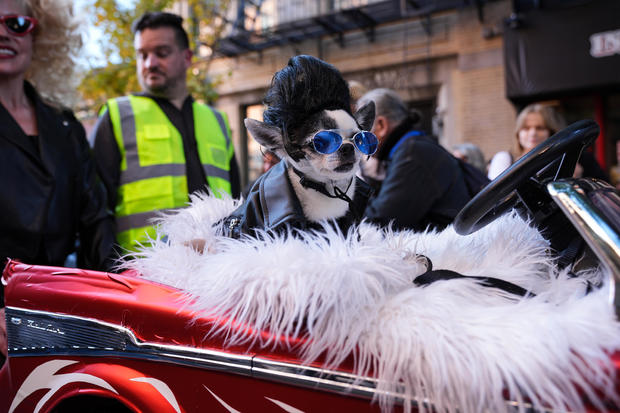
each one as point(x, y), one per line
point(262, 24)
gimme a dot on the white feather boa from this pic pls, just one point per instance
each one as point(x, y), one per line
point(454, 343)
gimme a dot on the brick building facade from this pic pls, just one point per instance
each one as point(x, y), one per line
point(446, 58)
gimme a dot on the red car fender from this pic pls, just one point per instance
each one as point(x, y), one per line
point(66, 378)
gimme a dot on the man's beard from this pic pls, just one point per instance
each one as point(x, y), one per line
point(160, 89)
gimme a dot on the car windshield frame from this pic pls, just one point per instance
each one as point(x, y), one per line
point(591, 206)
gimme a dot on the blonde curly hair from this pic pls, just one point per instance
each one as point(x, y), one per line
point(57, 43)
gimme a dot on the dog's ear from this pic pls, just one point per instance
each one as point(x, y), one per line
point(365, 116)
point(267, 136)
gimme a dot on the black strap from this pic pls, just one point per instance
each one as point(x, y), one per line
point(430, 276)
point(568, 256)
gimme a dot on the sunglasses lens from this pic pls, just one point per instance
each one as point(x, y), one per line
point(366, 142)
point(327, 142)
point(18, 24)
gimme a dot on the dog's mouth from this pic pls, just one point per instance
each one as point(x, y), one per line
point(345, 167)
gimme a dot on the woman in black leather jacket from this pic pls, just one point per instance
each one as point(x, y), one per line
point(50, 192)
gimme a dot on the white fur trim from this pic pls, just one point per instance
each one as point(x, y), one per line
point(455, 343)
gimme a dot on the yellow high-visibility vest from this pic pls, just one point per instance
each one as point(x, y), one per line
point(153, 172)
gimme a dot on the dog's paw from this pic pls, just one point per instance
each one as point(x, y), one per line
point(198, 245)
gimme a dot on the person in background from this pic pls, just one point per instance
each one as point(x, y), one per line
point(614, 173)
point(269, 160)
point(50, 195)
point(418, 184)
point(471, 154)
point(535, 124)
point(155, 148)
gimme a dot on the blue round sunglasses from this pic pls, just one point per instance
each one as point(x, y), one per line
point(329, 141)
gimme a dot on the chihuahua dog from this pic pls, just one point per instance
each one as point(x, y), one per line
point(308, 123)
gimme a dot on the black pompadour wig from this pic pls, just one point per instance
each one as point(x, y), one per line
point(304, 87)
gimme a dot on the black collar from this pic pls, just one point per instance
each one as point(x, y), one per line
point(320, 187)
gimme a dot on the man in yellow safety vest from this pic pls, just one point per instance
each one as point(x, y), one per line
point(154, 148)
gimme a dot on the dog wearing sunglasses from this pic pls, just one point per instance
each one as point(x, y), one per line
point(308, 123)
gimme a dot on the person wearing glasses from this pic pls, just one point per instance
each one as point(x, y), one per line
point(50, 191)
point(153, 149)
point(417, 183)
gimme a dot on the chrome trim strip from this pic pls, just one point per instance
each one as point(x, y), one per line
point(339, 382)
point(307, 376)
point(60, 334)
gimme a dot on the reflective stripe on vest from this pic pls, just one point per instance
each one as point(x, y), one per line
point(142, 219)
point(135, 172)
point(153, 171)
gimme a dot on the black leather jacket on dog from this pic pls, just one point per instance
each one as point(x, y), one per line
point(272, 205)
point(50, 192)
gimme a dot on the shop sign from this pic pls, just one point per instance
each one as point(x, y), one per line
point(605, 43)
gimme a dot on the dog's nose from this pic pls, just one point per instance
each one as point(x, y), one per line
point(347, 149)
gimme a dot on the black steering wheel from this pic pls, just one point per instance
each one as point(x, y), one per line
point(555, 158)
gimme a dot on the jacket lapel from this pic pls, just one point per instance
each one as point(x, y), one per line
point(13, 133)
point(51, 133)
point(281, 204)
point(51, 137)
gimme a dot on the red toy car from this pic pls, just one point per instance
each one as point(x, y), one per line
point(87, 341)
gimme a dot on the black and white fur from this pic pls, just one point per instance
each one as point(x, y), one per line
point(334, 170)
